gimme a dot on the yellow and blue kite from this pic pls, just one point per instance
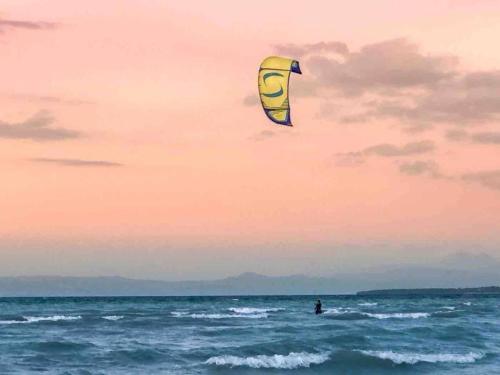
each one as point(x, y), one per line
point(274, 75)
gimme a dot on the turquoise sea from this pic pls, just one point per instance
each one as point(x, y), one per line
point(250, 335)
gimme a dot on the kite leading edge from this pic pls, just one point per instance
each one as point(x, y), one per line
point(274, 75)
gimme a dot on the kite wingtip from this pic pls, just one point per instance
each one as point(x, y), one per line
point(295, 67)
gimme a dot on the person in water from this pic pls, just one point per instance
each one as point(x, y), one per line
point(318, 309)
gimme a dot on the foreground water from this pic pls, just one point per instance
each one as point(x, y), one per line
point(250, 335)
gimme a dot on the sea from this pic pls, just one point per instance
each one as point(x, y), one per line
point(250, 335)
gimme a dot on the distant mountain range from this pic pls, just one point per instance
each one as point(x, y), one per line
point(457, 271)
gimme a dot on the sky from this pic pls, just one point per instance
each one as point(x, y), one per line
point(132, 142)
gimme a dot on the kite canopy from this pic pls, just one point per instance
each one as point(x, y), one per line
point(274, 74)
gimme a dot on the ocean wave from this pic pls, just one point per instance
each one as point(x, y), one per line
point(60, 346)
point(36, 319)
point(277, 361)
point(449, 307)
point(54, 318)
point(113, 317)
point(179, 314)
point(368, 304)
point(254, 310)
point(412, 358)
point(415, 315)
point(333, 310)
point(447, 313)
point(182, 314)
point(353, 314)
point(228, 316)
point(339, 310)
point(344, 314)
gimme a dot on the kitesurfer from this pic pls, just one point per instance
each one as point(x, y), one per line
point(318, 309)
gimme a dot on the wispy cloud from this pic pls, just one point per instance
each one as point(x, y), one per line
point(478, 137)
point(22, 24)
point(389, 65)
point(389, 150)
point(263, 135)
point(77, 162)
point(251, 100)
point(419, 167)
point(297, 51)
point(402, 83)
point(489, 179)
point(49, 99)
point(37, 128)
point(385, 150)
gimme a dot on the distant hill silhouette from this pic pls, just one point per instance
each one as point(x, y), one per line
point(455, 271)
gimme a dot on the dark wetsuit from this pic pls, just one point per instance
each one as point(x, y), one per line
point(318, 308)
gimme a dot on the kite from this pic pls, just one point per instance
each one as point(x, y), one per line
point(274, 74)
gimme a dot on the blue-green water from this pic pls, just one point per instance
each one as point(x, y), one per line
point(250, 335)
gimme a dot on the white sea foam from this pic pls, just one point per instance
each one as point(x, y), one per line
point(467, 303)
point(412, 358)
point(243, 314)
point(228, 316)
point(35, 319)
point(415, 315)
point(179, 314)
point(368, 304)
point(12, 321)
point(278, 361)
point(54, 318)
point(449, 307)
point(113, 317)
point(340, 310)
point(254, 310)
point(334, 310)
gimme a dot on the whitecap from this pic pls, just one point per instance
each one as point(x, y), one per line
point(277, 361)
point(35, 319)
point(113, 317)
point(179, 314)
point(334, 310)
point(412, 358)
point(339, 310)
point(54, 318)
point(368, 304)
point(449, 307)
point(228, 316)
point(348, 310)
point(467, 303)
point(254, 310)
point(415, 315)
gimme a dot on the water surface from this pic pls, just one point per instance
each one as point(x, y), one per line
point(250, 335)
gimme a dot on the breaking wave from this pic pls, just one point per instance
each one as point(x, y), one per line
point(277, 361)
point(415, 315)
point(412, 358)
point(368, 304)
point(113, 317)
point(254, 310)
point(353, 314)
point(180, 314)
point(36, 319)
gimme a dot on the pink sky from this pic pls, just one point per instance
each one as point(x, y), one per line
point(159, 88)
